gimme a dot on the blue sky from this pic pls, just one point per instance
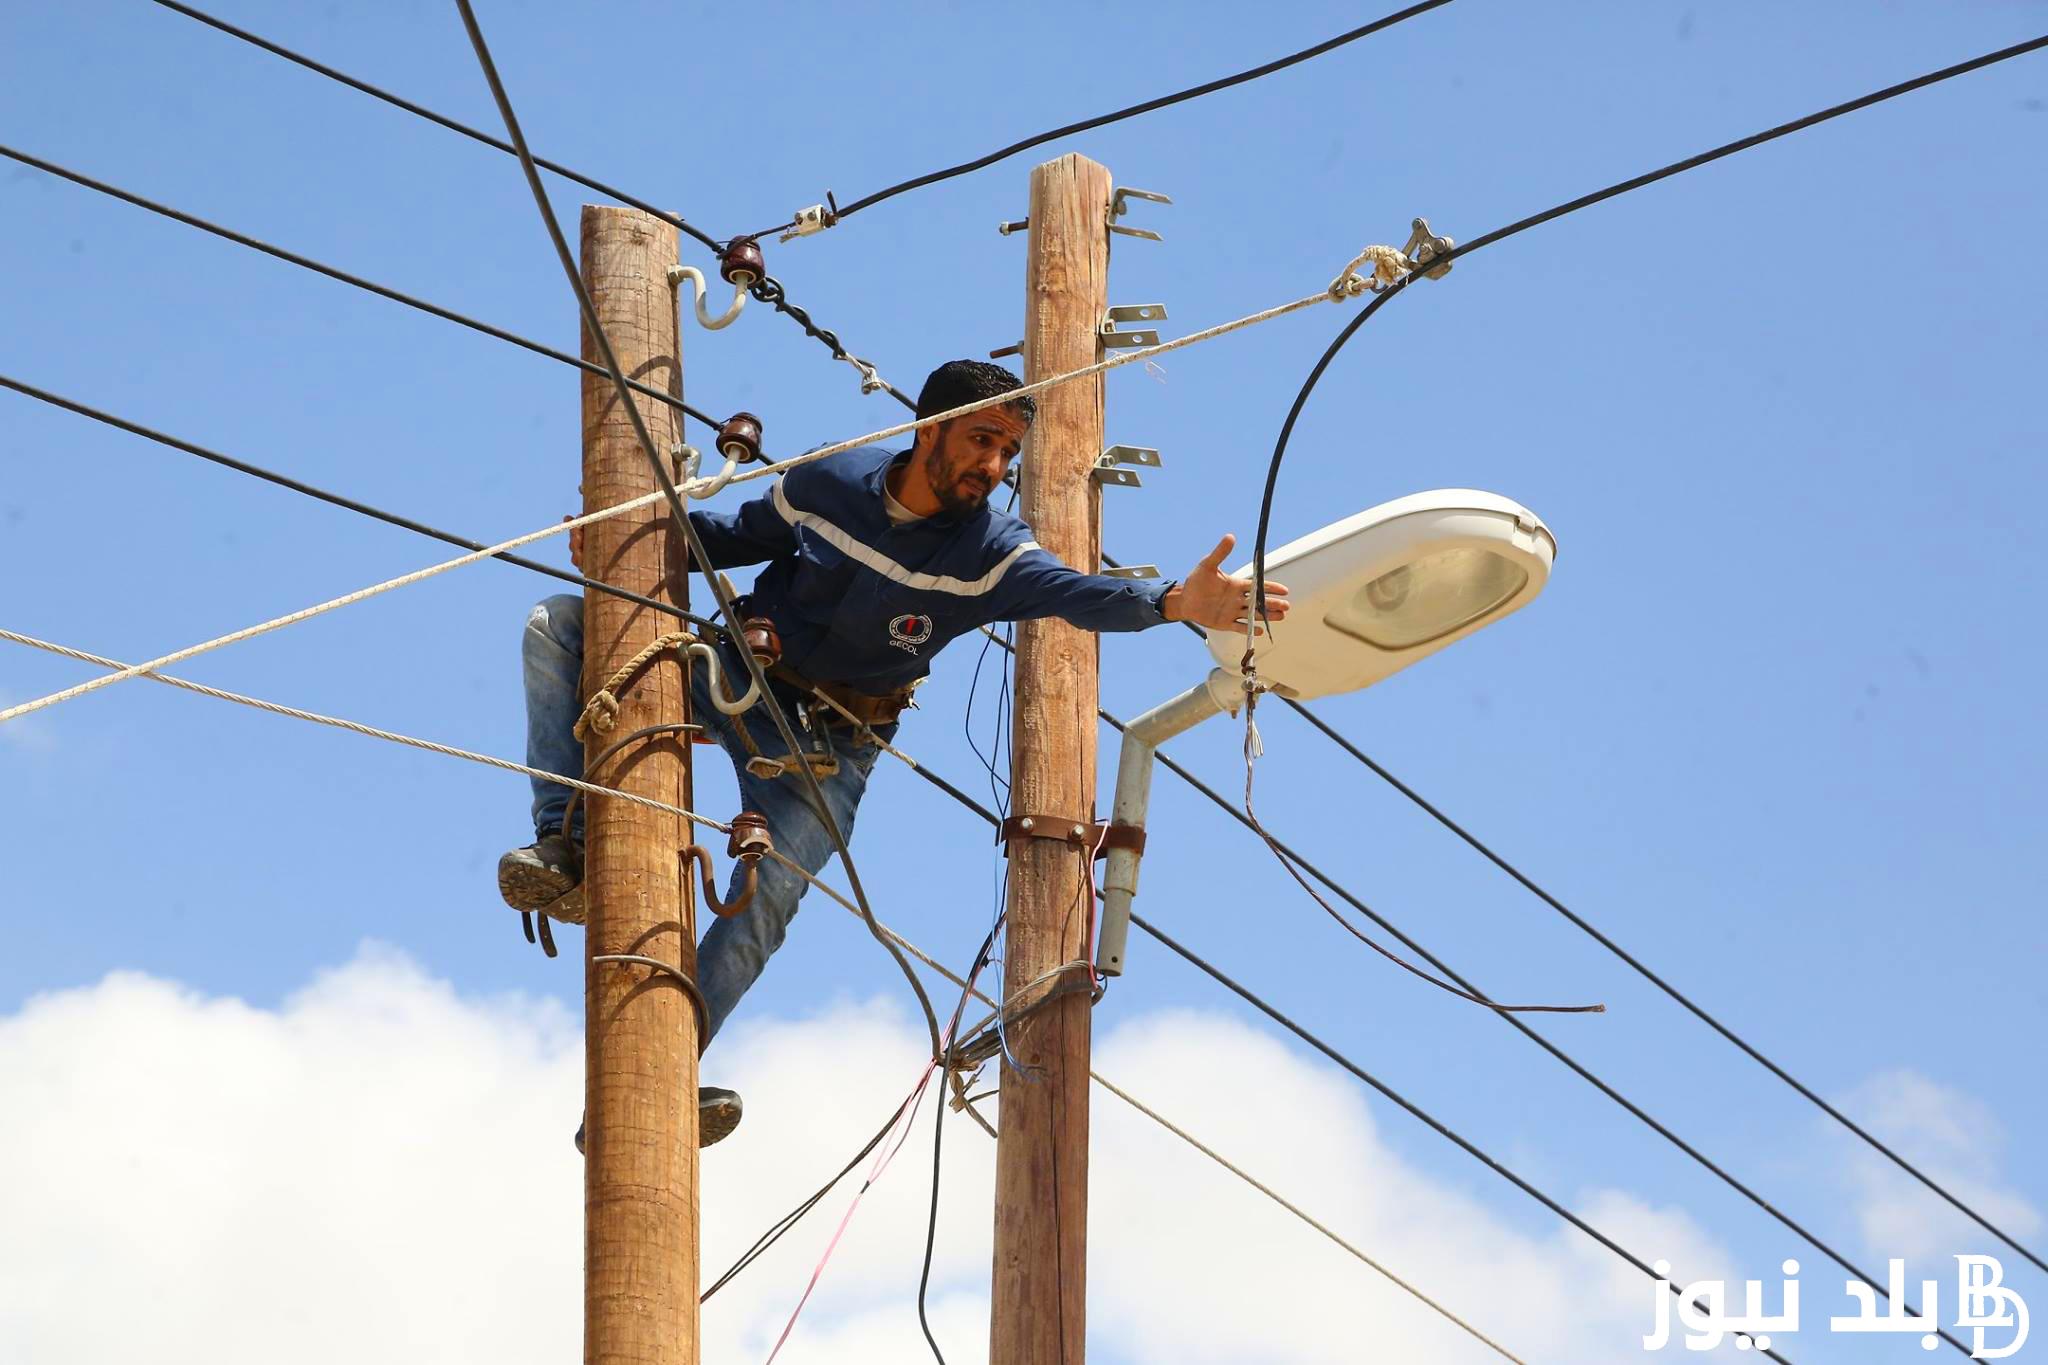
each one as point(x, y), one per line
point(1774, 725)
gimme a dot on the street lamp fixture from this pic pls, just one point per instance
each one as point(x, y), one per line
point(1369, 596)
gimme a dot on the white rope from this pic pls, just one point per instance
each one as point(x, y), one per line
point(126, 671)
point(371, 731)
point(1340, 290)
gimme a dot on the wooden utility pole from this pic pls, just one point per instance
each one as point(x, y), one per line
point(1041, 1237)
point(640, 1050)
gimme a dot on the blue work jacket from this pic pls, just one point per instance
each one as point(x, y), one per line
point(861, 601)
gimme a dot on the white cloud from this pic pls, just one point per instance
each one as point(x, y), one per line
point(1959, 1143)
point(380, 1168)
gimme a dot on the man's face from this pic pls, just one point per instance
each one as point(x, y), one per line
point(969, 455)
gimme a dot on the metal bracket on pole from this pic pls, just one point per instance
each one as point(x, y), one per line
point(1424, 247)
point(1119, 206)
point(1113, 340)
point(1132, 571)
point(1110, 465)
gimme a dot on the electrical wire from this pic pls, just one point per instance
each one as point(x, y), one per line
point(681, 517)
point(1573, 206)
point(767, 289)
point(338, 500)
point(1554, 903)
point(336, 273)
point(1274, 1013)
point(1132, 111)
point(452, 125)
point(1289, 855)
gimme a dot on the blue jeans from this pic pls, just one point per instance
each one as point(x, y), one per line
point(733, 950)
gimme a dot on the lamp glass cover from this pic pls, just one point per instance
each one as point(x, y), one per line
point(1428, 597)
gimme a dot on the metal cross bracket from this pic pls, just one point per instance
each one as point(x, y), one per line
point(1119, 206)
point(1110, 465)
point(1424, 247)
point(1114, 340)
point(1132, 571)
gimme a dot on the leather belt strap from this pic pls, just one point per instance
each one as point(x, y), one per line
point(1086, 834)
point(869, 709)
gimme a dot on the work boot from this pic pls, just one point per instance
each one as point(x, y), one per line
point(718, 1113)
point(546, 875)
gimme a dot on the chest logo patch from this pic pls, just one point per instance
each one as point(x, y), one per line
point(909, 631)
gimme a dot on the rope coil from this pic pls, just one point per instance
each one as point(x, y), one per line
point(601, 712)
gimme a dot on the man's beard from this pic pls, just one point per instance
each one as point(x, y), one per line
point(958, 497)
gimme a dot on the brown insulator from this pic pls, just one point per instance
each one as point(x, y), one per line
point(740, 438)
point(742, 264)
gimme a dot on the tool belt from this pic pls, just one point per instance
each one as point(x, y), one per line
point(865, 708)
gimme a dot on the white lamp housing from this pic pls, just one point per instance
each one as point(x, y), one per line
point(1373, 593)
point(1367, 596)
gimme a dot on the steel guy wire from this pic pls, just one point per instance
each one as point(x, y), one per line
point(1287, 854)
point(767, 289)
point(338, 500)
point(1433, 1123)
point(680, 515)
point(971, 990)
point(1130, 111)
point(335, 273)
point(1277, 1016)
point(1611, 946)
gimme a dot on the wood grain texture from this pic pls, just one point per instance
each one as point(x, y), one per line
point(1039, 1298)
point(640, 1214)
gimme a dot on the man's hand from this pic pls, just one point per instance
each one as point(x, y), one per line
point(575, 545)
point(1209, 597)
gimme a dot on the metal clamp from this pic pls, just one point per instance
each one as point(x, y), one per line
point(811, 221)
point(1110, 465)
point(1119, 205)
point(1424, 247)
point(1113, 340)
point(1091, 835)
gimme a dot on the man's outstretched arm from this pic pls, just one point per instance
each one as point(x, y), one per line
point(1040, 585)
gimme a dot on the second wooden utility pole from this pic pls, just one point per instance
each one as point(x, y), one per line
point(640, 1050)
point(1039, 1303)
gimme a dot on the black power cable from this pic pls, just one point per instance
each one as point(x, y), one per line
point(1523, 225)
point(376, 513)
point(1287, 854)
point(1318, 1044)
point(820, 807)
point(452, 125)
point(1573, 206)
point(1132, 111)
point(335, 273)
point(1611, 946)
point(767, 289)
